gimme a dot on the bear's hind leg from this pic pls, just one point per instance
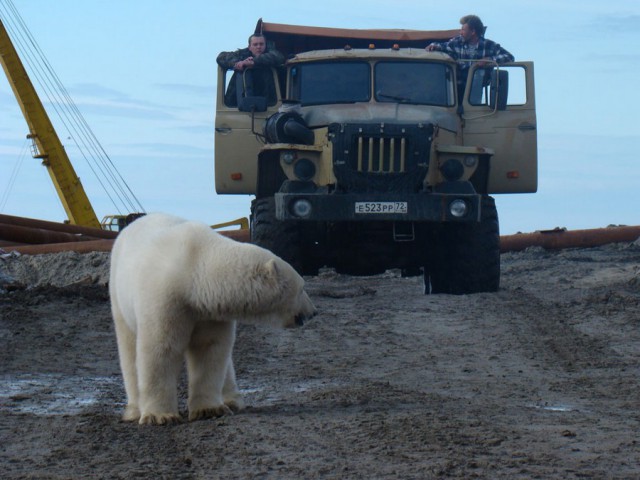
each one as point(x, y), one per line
point(127, 353)
point(208, 356)
point(230, 392)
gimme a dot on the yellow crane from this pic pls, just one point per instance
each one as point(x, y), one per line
point(48, 147)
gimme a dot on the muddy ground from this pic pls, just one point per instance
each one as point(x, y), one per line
point(540, 380)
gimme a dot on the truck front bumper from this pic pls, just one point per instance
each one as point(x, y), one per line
point(417, 207)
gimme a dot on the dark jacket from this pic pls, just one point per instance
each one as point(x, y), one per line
point(260, 76)
point(270, 58)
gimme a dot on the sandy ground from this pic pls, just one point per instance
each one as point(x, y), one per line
point(538, 381)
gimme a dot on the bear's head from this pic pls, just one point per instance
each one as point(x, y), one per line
point(280, 291)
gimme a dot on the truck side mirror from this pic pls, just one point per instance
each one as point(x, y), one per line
point(253, 104)
point(499, 89)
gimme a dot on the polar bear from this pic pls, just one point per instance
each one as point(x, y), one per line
point(177, 290)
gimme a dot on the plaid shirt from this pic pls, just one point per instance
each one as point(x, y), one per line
point(464, 53)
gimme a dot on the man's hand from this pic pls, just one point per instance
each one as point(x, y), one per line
point(242, 64)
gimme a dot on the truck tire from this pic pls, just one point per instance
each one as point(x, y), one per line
point(282, 238)
point(466, 257)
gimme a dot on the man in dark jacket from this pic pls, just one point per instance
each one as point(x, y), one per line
point(252, 70)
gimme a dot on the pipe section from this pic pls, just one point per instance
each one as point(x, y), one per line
point(52, 237)
point(57, 227)
point(558, 239)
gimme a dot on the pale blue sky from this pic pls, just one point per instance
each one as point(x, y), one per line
point(143, 74)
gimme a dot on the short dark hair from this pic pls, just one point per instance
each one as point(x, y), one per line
point(257, 35)
point(474, 23)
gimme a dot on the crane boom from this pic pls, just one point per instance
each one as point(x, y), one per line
point(49, 148)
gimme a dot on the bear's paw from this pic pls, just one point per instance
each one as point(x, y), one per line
point(131, 414)
point(209, 412)
point(235, 404)
point(160, 419)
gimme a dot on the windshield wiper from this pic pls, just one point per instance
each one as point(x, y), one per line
point(394, 97)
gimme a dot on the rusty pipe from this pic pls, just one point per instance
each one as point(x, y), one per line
point(549, 239)
point(558, 239)
point(241, 235)
point(37, 235)
point(103, 245)
point(57, 227)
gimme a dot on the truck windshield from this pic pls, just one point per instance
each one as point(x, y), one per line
point(414, 82)
point(331, 82)
point(424, 83)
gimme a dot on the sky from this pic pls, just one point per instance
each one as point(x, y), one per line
point(143, 75)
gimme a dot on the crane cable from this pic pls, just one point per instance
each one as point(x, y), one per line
point(79, 131)
point(14, 175)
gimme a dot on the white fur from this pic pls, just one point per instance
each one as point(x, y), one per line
point(177, 290)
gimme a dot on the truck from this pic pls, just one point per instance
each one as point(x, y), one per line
point(367, 157)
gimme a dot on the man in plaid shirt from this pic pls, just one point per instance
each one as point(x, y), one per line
point(471, 47)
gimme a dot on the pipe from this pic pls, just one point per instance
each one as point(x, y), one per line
point(558, 238)
point(57, 227)
point(555, 239)
point(103, 245)
point(241, 235)
point(20, 234)
point(7, 243)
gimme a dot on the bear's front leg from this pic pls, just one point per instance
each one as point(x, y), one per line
point(208, 359)
point(159, 362)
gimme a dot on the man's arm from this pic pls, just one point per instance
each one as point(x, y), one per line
point(497, 53)
point(229, 59)
point(271, 58)
point(450, 47)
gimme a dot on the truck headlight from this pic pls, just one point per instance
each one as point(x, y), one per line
point(304, 169)
point(452, 170)
point(301, 207)
point(458, 208)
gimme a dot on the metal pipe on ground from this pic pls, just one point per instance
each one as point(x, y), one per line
point(57, 227)
point(558, 239)
point(103, 245)
point(9, 243)
point(31, 235)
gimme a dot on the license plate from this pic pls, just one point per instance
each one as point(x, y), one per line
point(381, 207)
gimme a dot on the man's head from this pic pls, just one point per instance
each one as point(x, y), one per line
point(472, 28)
point(257, 44)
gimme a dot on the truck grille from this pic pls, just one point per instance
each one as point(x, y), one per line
point(380, 157)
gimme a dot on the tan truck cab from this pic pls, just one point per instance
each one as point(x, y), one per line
point(369, 159)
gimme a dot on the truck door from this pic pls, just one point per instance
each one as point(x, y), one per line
point(504, 119)
point(236, 143)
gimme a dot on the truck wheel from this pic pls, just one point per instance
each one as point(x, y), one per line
point(282, 238)
point(466, 257)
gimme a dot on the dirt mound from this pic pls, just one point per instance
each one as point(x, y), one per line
point(59, 270)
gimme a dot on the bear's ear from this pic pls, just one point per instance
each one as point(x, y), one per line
point(269, 272)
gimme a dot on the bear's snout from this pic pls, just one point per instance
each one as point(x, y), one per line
point(301, 317)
